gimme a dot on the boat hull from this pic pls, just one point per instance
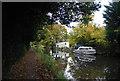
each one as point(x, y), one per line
point(84, 52)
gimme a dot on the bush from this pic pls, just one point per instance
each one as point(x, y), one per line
point(60, 76)
point(52, 65)
point(45, 58)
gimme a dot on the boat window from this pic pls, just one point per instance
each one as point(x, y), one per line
point(83, 48)
point(65, 43)
point(90, 48)
point(86, 48)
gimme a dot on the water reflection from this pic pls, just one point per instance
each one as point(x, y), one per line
point(59, 54)
point(98, 67)
point(69, 63)
point(67, 72)
point(85, 58)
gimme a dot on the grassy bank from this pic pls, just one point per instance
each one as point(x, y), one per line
point(53, 67)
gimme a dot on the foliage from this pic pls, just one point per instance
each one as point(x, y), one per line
point(60, 76)
point(52, 65)
point(51, 33)
point(45, 58)
point(74, 11)
point(38, 46)
point(112, 20)
point(88, 35)
point(112, 16)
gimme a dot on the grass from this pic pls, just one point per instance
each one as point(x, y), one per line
point(60, 76)
point(45, 58)
point(52, 65)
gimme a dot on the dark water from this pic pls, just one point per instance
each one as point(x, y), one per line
point(89, 67)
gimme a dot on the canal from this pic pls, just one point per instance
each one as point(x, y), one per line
point(88, 67)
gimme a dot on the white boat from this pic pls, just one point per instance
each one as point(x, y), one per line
point(85, 50)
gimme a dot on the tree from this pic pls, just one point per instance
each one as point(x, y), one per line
point(52, 34)
point(67, 12)
point(112, 16)
point(55, 32)
point(112, 20)
point(91, 35)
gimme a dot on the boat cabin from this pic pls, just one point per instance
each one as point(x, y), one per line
point(85, 50)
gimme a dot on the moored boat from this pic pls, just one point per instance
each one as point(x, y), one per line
point(85, 50)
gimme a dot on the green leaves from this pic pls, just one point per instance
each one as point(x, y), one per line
point(112, 16)
point(112, 20)
point(87, 35)
point(74, 11)
point(51, 33)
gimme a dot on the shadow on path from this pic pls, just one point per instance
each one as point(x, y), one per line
point(30, 68)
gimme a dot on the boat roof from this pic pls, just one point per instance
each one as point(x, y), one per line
point(85, 47)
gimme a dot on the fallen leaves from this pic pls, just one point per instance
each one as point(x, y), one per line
point(30, 68)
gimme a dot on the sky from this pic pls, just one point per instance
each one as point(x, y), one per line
point(98, 17)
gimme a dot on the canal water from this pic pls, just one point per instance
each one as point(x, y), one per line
point(89, 67)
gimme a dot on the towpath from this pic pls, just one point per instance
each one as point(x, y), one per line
point(30, 68)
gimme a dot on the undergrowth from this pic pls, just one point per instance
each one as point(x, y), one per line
point(52, 65)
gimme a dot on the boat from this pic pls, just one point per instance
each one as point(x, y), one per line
point(85, 50)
